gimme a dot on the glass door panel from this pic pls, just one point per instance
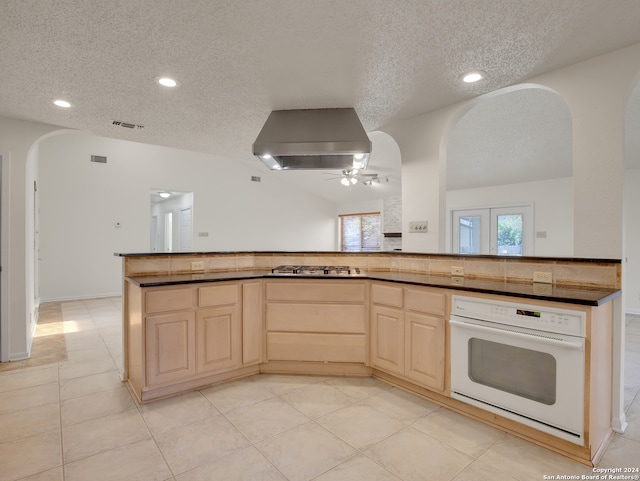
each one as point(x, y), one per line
point(512, 231)
point(471, 231)
point(509, 234)
point(469, 234)
point(501, 230)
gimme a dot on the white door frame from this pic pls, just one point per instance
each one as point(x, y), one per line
point(489, 233)
point(4, 257)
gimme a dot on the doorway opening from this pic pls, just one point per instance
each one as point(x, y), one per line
point(171, 221)
point(4, 327)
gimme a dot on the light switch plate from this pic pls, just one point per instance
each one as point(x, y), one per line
point(418, 226)
point(543, 277)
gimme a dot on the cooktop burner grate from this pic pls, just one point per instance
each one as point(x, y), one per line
point(292, 269)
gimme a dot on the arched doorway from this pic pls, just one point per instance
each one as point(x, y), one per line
point(511, 151)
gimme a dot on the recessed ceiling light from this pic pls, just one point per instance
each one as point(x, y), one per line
point(471, 77)
point(62, 103)
point(167, 82)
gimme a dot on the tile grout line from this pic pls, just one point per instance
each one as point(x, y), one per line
point(60, 421)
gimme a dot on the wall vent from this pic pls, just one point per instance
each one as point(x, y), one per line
point(255, 178)
point(101, 159)
point(127, 125)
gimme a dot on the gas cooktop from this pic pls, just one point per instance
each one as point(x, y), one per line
point(292, 270)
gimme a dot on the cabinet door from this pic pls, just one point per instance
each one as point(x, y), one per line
point(387, 339)
point(170, 344)
point(424, 357)
point(252, 326)
point(219, 339)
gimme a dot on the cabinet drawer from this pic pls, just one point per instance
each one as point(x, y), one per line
point(316, 317)
point(284, 346)
point(324, 291)
point(168, 300)
point(386, 295)
point(425, 300)
point(211, 296)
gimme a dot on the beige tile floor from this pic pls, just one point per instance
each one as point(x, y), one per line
point(65, 415)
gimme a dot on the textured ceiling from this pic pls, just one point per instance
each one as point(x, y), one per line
point(520, 136)
point(238, 60)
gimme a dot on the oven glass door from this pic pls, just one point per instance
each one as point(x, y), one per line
point(527, 373)
point(535, 379)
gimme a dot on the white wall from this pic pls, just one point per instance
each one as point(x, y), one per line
point(631, 268)
point(81, 201)
point(374, 205)
point(423, 177)
point(553, 210)
point(16, 140)
point(597, 92)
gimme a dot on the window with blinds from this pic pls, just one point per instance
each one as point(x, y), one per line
point(360, 232)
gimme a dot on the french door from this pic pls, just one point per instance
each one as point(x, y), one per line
point(499, 230)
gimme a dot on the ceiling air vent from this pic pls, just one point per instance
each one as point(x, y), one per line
point(127, 125)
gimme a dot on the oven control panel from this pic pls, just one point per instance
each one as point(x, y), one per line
point(561, 321)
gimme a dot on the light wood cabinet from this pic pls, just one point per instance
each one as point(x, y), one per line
point(408, 333)
point(219, 334)
point(316, 320)
point(219, 330)
point(182, 337)
point(425, 349)
point(170, 346)
point(387, 339)
point(252, 324)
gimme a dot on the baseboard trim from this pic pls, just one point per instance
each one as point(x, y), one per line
point(80, 298)
point(19, 356)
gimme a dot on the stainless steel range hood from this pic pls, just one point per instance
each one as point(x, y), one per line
point(313, 139)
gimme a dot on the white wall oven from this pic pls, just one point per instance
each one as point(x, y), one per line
point(521, 361)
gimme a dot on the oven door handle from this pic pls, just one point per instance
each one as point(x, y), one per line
point(579, 345)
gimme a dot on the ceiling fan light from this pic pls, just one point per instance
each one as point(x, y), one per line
point(353, 180)
point(360, 161)
point(345, 181)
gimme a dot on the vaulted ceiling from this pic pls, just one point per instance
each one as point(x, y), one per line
point(236, 61)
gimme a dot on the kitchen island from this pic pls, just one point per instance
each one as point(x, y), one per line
point(233, 317)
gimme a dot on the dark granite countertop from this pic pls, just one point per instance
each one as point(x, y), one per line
point(443, 255)
point(582, 296)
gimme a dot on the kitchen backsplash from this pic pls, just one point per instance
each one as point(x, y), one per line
point(565, 272)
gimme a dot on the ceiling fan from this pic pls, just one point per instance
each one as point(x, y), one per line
point(352, 176)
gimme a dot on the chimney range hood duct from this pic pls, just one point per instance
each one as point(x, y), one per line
point(313, 139)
